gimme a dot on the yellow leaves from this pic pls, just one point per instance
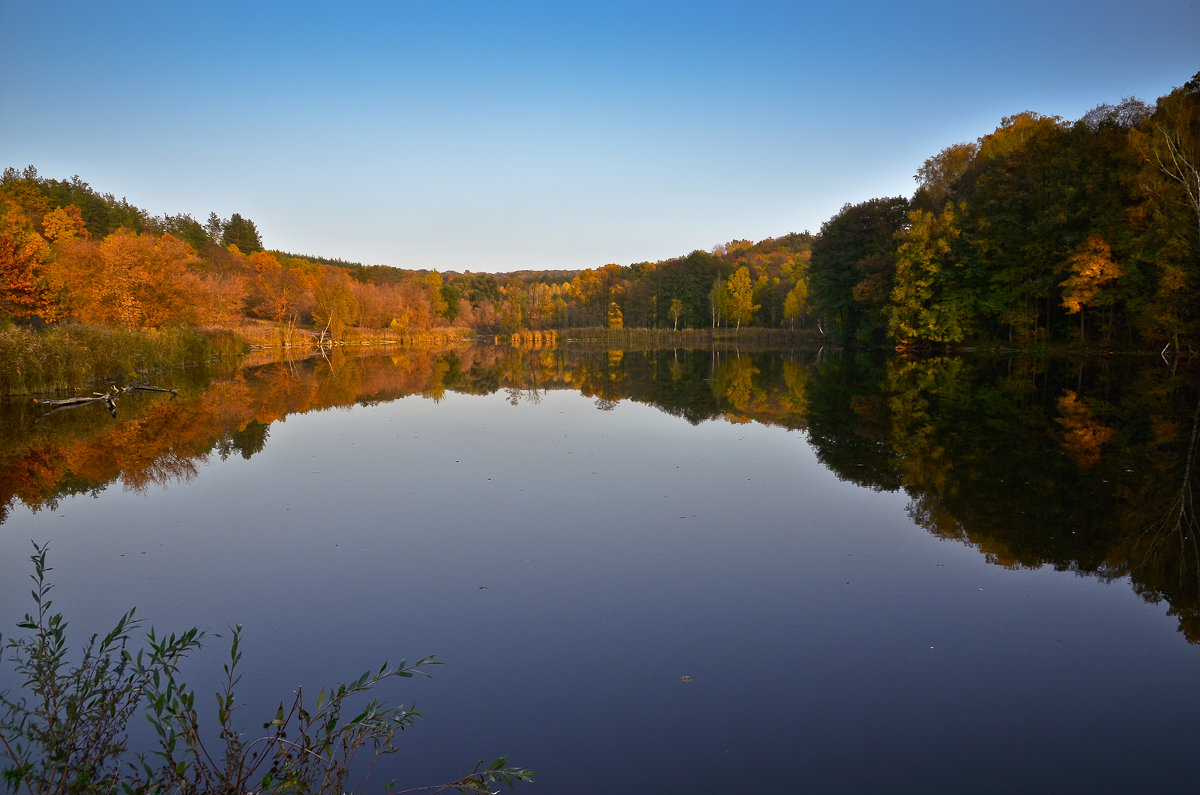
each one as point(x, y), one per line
point(741, 297)
point(937, 177)
point(29, 244)
point(1015, 131)
point(616, 318)
point(795, 304)
point(1092, 269)
point(64, 223)
point(739, 390)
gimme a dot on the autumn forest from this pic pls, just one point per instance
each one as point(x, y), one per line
point(1043, 231)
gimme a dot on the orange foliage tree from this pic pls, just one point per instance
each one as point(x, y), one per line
point(141, 281)
point(24, 290)
point(278, 292)
point(335, 306)
point(1092, 270)
point(64, 223)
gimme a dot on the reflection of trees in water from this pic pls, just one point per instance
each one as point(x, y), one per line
point(1086, 468)
point(246, 442)
point(1180, 517)
point(166, 442)
point(515, 395)
point(848, 422)
point(1166, 554)
point(1032, 463)
point(165, 469)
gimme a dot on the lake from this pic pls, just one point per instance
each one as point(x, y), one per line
point(662, 571)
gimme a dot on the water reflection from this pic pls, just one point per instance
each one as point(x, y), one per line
point(1083, 466)
point(1088, 467)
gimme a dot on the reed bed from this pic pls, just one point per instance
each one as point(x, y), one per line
point(73, 357)
point(436, 337)
point(692, 337)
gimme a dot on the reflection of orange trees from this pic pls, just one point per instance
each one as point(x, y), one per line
point(600, 375)
point(167, 441)
point(1083, 434)
point(767, 389)
point(615, 358)
point(159, 442)
point(756, 388)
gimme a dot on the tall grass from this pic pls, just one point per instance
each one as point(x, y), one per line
point(74, 357)
point(692, 337)
point(265, 335)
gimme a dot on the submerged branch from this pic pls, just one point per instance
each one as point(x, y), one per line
point(109, 398)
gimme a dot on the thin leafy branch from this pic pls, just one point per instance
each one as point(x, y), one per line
point(66, 730)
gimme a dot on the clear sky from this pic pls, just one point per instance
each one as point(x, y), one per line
point(492, 135)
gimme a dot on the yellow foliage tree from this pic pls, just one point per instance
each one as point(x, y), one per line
point(741, 297)
point(1092, 269)
point(64, 223)
point(616, 319)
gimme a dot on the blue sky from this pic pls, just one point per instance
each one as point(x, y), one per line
point(495, 135)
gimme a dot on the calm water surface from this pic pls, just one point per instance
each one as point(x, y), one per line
point(666, 572)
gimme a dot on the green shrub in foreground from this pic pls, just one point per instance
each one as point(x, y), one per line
point(66, 731)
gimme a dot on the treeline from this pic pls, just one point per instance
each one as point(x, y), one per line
point(1042, 231)
point(737, 284)
point(68, 252)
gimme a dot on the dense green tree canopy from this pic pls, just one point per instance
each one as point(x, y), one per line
point(853, 264)
point(1042, 231)
point(241, 232)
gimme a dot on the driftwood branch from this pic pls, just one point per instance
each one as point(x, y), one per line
point(68, 402)
point(109, 398)
point(147, 388)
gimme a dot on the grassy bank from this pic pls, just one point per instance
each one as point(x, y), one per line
point(76, 357)
point(71, 357)
point(263, 335)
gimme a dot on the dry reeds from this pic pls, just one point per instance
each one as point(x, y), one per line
point(68, 357)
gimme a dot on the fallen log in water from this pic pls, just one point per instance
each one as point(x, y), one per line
point(109, 398)
point(67, 402)
point(147, 388)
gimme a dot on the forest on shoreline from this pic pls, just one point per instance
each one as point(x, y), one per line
point(1042, 232)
